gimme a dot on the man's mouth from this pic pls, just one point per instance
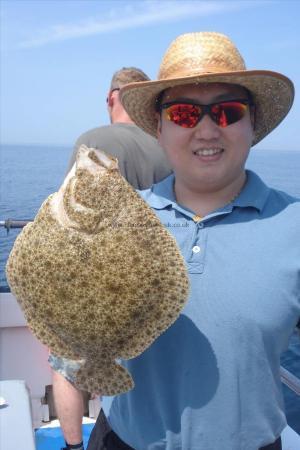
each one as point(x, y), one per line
point(208, 151)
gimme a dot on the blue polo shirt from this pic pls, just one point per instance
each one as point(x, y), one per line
point(211, 381)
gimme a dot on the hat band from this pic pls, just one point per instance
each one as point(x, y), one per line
point(190, 71)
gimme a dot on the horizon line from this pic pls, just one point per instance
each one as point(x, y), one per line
point(71, 146)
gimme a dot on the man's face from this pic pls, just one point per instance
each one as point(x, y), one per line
point(206, 158)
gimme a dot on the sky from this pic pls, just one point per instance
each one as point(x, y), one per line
point(58, 56)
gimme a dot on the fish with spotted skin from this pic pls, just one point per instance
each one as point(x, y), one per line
point(97, 275)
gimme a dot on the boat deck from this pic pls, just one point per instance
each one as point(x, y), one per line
point(49, 436)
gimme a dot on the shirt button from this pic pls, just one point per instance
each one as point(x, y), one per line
point(196, 249)
point(201, 225)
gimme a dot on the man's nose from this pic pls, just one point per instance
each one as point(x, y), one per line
point(207, 129)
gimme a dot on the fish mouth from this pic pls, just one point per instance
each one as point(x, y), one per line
point(91, 162)
point(93, 159)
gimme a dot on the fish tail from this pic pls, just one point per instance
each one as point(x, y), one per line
point(109, 378)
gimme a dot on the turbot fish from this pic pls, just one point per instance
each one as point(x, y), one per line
point(97, 275)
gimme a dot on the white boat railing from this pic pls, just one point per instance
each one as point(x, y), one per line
point(290, 380)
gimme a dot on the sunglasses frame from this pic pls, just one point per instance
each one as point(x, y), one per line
point(206, 109)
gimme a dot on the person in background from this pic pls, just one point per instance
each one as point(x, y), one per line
point(211, 381)
point(142, 162)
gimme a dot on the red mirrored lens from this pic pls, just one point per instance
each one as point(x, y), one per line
point(225, 114)
point(185, 115)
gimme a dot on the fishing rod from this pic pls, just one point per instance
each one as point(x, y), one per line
point(12, 223)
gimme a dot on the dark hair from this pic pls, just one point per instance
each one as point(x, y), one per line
point(159, 100)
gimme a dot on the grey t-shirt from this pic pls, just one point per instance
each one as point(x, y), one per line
point(141, 160)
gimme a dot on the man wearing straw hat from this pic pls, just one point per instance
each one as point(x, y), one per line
point(212, 381)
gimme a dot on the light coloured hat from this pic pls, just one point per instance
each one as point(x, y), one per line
point(208, 57)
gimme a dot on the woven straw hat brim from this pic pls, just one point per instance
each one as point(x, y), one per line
point(272, 92)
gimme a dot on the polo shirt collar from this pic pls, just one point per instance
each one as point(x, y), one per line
point(162, 194)
point(254, 194)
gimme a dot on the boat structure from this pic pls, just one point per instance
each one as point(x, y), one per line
point(27, 413)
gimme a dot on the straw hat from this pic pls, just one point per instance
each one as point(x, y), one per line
point(210, 57)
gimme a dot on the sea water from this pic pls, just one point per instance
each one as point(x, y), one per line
point(28, 174)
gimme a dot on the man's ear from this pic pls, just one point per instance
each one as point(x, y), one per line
point(110, 99)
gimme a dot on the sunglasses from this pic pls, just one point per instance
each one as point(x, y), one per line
point(188, 114)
